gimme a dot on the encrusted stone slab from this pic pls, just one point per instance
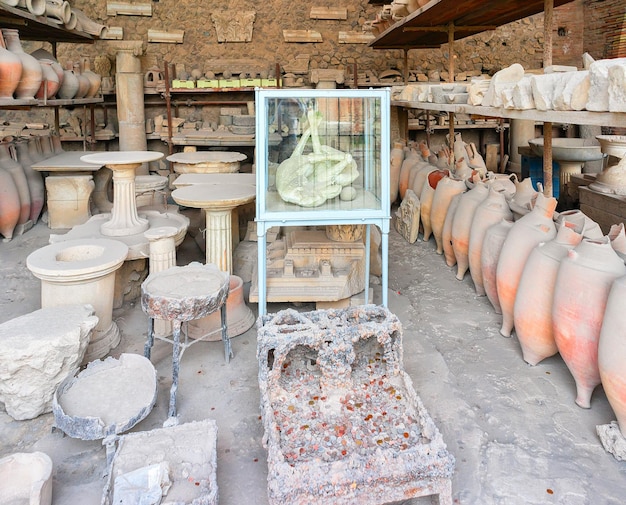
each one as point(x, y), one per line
point(599, 83)
point(343, 424)
point(408, 217)
point(37, 352)
point(355, 37)
point(329, 13)
point(188, 451)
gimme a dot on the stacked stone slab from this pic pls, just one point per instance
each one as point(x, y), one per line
point(37, 352)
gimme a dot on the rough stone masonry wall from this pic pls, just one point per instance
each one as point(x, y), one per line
point(520, 42)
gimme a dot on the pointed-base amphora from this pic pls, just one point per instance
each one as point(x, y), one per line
point(581, 291)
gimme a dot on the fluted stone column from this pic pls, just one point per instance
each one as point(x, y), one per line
point(521, 131)
point(219, 239)
point(162, 257)
point(130, 104)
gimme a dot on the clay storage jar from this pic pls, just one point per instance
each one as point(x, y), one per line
point(580, 297)
point(32, 72)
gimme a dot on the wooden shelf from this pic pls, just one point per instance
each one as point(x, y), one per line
point(616, 119)
point(429, 26)
point(33, 27)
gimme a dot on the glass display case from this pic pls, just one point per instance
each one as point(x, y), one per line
point(331, 167)
point(330, 162)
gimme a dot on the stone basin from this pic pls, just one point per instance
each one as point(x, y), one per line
point(613, 145)
point(569, 149)
point(107, 398)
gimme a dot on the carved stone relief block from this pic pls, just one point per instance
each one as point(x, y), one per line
point(302, 36)
point(356, 37)
point(129, 9)
point(172, 36)
point(233, 28)
point(329, 13)
point(408, 217)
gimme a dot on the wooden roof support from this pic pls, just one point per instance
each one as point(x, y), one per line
point(547, 126)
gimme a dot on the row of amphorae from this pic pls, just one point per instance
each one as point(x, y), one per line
point(556, 278)
point(39, 75)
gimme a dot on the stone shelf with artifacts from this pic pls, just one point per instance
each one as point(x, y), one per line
point(327, 171)
point(229, 90)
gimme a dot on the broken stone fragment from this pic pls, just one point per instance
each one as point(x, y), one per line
point(503, 79)
point(39, 350)
point(617, 88)
point(572, 92)
point(599, 83)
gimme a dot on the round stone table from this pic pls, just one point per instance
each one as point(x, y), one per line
point(180, 295)
point(218, 201)
point(124, 218)
point(206, 162)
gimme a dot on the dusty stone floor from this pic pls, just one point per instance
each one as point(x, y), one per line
point(515, 431)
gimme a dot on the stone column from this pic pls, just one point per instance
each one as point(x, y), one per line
point(130, 104)
point(162, 257)
point(219, 239)
point(521, 131)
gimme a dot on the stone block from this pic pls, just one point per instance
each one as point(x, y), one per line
point(599, 84)
point(572, 91)
point(39, 350)
point(617, 88)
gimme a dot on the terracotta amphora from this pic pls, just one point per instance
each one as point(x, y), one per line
point(590, 229)
point(447, 189)
point(522, 201)
point(94, 79)
point(462, 223)
point(50, 82)
point(42, 54)
point(19, 178)
point(32, 73)
point(612, 351)
point(10, 71)
point(617, 236)
point(36, 185)
point(492, 247)
point(490, 211)
point(69, 86)
point(535, 227)
point(446, 235)
point(83, 82)
point(411, 159)
point(45, 145)
point(9, 203)
point(532, 311)
point(396, 157)
point(426, 200)
point(420, 178)
point(581, 291)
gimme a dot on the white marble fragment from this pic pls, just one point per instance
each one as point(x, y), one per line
point(503, 79)
point(612, 440)
point(617, 88)
point(477, 89)
point(523, 94)
point(572, 91)
point(543, 86)
point(37, 351)
point(599, 84)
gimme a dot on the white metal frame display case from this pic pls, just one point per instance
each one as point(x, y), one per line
point(332, 167)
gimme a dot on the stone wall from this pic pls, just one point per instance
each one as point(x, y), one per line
point(521, 41)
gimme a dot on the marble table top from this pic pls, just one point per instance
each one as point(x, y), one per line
point(207, 196)
point(121, 157)
point(196, 157)
point(69, 161)
point(215, 178)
